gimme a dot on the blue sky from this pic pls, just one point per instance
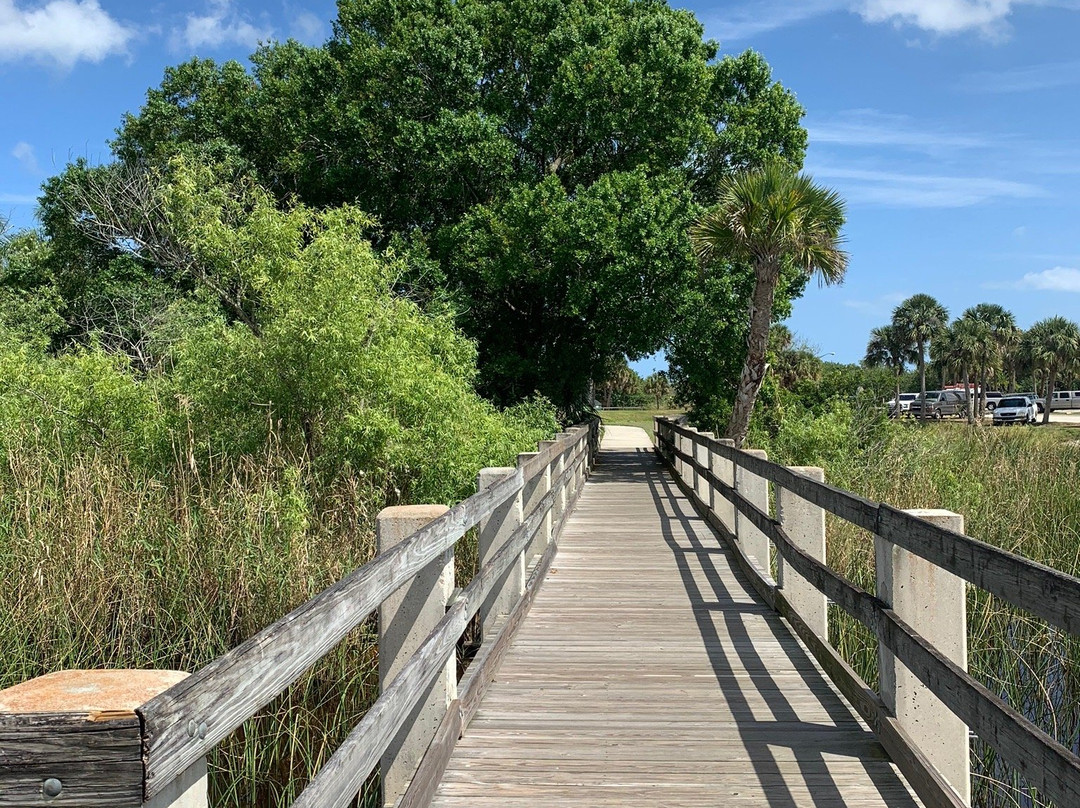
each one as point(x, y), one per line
point(951, 127)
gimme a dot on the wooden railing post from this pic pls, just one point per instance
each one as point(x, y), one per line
point(535, 490)
point(494, 532)
point(755, 489)
point(934, 603)
point(406, 618)
point(804, 524)
point(76, 739)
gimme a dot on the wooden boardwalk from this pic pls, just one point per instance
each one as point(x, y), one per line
point(647, 674)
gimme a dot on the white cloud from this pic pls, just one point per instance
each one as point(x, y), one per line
point(878, 307)
point(24, 153)
point(61, 32)
point(941, 16)
point(1023, 79)
point(309, 28)
point(751, 19)
point(944, 17)
point(871, 128)
point(222, 25)
point(1058, 279)
point(890, 189)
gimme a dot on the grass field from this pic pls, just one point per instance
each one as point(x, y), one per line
point(641, 418)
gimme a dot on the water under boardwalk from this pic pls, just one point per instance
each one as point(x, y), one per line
point(648, 674)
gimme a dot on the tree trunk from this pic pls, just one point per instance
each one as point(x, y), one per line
point(897, 397)
point(1051, 377)
point(753, 372)
point(982, 390)
point(922, 381)
point(967, 395)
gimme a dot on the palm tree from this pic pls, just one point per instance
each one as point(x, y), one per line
point(889, 347)
point(658, 386)
point(923, 319)
point(1001, 325)
point(1053, 344)
point(967, 341)
point(1011, 340)
point(773, 218)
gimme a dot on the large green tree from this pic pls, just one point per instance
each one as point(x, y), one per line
point(448, 120)
point(770, 217)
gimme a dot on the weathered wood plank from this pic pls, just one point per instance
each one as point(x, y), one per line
point(486, 665)
point(98, 762)
point(1041, 590)
point(428, 775)
point(343, 775)
point(229, 690)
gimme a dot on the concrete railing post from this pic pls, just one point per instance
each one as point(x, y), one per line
point(690, 475)
point(934, 603)
point(534, 491)
point(753, 542)
point(804, 523)
point(580, 450)
point(724, 470)
point(555, 468)
point(494, 532)
point(701, 455)
point(406, 618)
point(76, 767)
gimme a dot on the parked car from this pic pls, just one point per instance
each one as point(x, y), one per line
point(992, 399)
point(1014, 410)
point(940, 403)
point(1040, 403)
point(905, 404)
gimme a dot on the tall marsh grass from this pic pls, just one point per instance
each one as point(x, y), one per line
point(1017, 488)
point(106, 565)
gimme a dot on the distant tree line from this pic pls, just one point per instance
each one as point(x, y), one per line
point(981, 349)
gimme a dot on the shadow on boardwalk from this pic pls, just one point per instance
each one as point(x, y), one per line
point(648, 674)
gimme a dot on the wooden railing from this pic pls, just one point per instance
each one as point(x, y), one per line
point(917, 613)
point(115, 758)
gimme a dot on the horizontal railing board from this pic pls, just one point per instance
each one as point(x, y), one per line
point(229, 690)
point(425, 782)
point(1044, 591)
point(1042, 761)
point(851, 507)
point(337, 783)
point(341, 778)
point(98, 762)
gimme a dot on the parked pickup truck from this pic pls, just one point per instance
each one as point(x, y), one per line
point(940, 403)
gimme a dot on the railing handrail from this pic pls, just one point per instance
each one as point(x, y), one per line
point(219, 697)
point(1044, 591)
point(1044, 762)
